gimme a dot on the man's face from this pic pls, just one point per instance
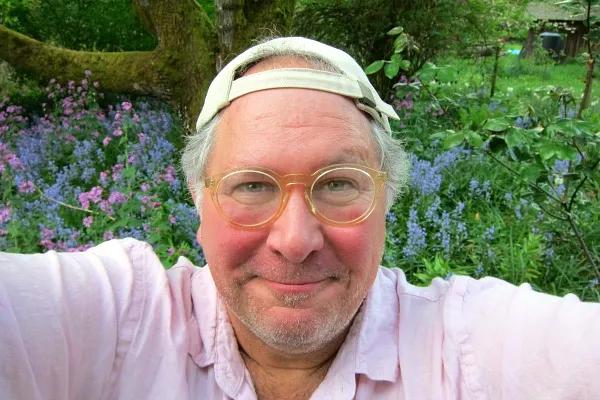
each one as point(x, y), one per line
point(297, 283)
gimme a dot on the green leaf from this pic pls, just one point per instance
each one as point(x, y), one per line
point(514, 138)
point(404, 64)
point(496, 125)
point(395, 31)
point(396, 58)
point(474, 139)
point(531, 172)
point(442, 134)
point(374, 67)
point(400, 43)
point(453, 140)
point(391, 69)
point(565, 152)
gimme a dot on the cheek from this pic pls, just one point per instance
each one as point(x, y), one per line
point(226, 247)
point(359, 247)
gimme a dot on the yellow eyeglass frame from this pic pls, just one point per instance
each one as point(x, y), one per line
point(284, 183)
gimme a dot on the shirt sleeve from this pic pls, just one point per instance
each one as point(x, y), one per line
point(67, 319)
point(521, 344)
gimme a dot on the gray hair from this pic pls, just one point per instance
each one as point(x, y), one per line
point(391, 152)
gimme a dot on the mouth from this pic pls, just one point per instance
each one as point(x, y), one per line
point(295, 288)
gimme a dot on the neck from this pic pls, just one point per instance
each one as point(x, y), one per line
point(277, 373)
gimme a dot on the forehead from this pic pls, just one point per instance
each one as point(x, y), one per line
point(290, 127)
point(287, 127)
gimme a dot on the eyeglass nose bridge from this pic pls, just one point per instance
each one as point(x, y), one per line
point(287, 181)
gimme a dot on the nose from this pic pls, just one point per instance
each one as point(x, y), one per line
point(297, 232)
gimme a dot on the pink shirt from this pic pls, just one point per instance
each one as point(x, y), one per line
point(111, 323)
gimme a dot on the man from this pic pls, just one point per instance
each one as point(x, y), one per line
point(292, 170)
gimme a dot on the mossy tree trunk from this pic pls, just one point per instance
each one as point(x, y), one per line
point(190, 50)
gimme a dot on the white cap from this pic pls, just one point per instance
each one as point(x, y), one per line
point(351, 81)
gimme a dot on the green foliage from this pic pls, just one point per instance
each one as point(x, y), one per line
point(506, 186)
point(359, 27)
point(106, 25)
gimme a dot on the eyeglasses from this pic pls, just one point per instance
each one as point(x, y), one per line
point(340, 194)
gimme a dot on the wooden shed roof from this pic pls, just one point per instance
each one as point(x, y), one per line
point(548, 11)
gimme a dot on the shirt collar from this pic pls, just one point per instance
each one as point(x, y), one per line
point(377, 349)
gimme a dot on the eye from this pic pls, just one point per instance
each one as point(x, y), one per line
point(338, 185)
point(254, 187)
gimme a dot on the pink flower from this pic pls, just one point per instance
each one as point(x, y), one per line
point(169, 175)
point(117, 132)
point(26, 187)
point(126, 105)
point(103, 177)
point(87, 221)
point(116, 171)
point(117, 198)
point(96, 84)
point(4, 214)
point(108, 235)
point(87, 73)
point(95, 194)
point(144, 187)
point(106, 141)
point(172, 219)
point(105, 206)
point(170, 251)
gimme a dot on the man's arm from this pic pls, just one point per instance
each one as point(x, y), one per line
point(529, 345)
point(66, 320)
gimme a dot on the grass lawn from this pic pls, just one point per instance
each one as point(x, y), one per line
point(520, 77)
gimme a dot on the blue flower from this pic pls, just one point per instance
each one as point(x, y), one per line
point(416, 240)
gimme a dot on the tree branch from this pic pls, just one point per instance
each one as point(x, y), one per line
point(122, 72)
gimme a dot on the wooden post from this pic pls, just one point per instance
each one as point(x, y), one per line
point(495, 73)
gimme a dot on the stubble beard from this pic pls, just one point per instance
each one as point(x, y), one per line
point(295, 336)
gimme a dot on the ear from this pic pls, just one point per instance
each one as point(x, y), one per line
point(199, 235)
point(198, 212)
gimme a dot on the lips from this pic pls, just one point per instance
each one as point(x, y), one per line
point(295, 287)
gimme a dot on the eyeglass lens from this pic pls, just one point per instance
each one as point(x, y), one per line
point(252, 197)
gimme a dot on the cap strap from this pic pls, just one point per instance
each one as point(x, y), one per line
point(296, 78)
